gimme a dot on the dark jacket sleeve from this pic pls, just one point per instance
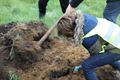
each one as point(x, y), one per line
point(75, 3)
point(112, 1)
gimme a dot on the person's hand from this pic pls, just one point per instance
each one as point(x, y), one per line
point(69, 9)
point(70, 13)
point(77, 69)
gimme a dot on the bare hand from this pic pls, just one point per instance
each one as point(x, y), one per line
point(69, 9)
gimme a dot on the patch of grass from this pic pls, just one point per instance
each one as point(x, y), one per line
point(13, 76)
point(27, 10)
point(16, 10)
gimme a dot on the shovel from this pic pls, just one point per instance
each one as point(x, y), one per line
point(48, 32)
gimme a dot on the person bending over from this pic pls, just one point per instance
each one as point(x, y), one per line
point(93, 32)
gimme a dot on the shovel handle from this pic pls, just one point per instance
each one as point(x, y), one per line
point(48, 32)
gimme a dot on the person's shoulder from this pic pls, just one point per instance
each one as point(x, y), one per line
point(89, 16)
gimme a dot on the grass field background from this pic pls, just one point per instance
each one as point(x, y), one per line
point(27, 10)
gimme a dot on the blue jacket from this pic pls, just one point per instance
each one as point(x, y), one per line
point(89, 23)
point(112, 1)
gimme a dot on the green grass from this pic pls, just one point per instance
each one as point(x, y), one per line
point(27, 10)
point(13, 76)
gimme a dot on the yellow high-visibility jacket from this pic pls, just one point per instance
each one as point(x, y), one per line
point(109, 33)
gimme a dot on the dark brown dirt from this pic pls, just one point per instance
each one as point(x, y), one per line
point(32, 62)
point(6, 27)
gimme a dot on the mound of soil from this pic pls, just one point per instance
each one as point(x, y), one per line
point(6, 27)
point(20, 53)
point(20, 43)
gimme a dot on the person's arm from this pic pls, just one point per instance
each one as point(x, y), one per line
point(75, 3)
point(72, 5)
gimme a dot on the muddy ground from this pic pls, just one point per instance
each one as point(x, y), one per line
point(21, 55)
